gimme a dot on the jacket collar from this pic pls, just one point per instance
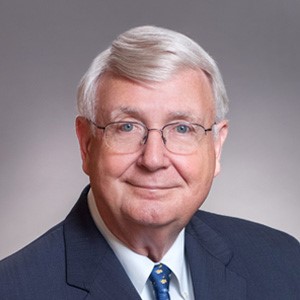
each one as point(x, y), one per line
point(91, 264)
point(93, 267)
point(209, 255)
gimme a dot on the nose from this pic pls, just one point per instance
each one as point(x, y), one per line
point(154, 129)
point(153, 156)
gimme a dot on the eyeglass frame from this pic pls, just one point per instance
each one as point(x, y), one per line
point(147, 130)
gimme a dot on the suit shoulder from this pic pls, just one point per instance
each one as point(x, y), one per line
point(34, 261)
point(239, 231)
point(41, 244)
point(267, 258)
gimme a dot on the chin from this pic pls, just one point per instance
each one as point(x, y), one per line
point(150, 216)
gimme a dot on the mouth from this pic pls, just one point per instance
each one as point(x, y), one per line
point(152, 187)
point(152, 191)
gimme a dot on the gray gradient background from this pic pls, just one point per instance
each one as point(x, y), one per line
point(46, 46)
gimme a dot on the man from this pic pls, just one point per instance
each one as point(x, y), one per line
point(151, 127)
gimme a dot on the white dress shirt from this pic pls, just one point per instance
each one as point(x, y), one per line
point(139, 267)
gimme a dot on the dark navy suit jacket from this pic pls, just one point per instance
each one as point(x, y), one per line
point(229, 259)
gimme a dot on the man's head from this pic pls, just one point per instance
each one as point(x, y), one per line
point(146, 175)
point(150, 54)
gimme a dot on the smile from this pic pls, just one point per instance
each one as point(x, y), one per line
point(152, 187)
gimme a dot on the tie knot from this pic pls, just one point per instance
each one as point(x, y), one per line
point(160, 278)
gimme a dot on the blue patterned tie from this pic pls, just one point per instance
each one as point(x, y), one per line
point(160, 278)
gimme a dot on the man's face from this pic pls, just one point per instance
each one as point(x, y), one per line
point(152, 187)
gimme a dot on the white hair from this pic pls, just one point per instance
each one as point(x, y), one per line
point(150, 54)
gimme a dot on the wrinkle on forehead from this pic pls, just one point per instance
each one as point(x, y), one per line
point(112, 111)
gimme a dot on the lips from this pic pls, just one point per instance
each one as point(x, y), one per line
point(150, 186)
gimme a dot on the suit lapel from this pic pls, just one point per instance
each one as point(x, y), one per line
point(90, 262)
point(209, 257)
point(91, 265)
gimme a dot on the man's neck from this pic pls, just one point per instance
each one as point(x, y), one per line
point(150, 241)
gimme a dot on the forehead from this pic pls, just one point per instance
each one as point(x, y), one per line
point(188, 94)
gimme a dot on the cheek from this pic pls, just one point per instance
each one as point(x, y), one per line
point(198, 171)
point(104, 165)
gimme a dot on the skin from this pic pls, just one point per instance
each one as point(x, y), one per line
point(146, 198)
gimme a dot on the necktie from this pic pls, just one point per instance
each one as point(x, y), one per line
point(160, 278)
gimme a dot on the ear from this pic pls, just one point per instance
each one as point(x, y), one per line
point(221, 134)
point(84, 136)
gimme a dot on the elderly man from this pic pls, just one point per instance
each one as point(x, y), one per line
point(151, 127)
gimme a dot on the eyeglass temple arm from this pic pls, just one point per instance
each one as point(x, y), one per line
point(211, 128)
point(96, 125)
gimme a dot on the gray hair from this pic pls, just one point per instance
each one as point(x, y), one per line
point(150, 54)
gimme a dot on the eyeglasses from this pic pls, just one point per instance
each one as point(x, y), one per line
point(128, 137)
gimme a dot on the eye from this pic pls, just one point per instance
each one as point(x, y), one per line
point(127, 127)
point(183, 128)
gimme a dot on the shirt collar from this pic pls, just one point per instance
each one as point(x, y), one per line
point(132, 261)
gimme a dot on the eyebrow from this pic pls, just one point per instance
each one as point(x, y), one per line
point(187, 115)
point(133, 112)
point(124, 111)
